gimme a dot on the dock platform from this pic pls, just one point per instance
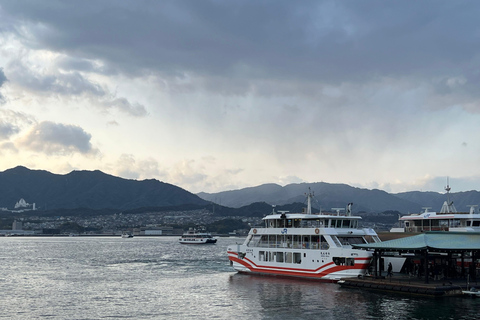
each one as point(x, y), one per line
point(410, 285)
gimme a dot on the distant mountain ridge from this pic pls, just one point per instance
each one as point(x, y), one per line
point(97, 190)
point(338, 195)
point(88, 189)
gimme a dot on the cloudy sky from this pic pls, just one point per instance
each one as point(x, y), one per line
point(221, 95)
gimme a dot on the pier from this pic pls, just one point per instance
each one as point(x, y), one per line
point(409, 285)
point(432, 263)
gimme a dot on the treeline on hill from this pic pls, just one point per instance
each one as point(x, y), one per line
point(389, 217)
point(257, 209)
point(223, 226)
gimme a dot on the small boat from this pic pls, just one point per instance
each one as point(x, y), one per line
point(473, 292)
point(127, 235)
point(306, 245)
point(193, 236)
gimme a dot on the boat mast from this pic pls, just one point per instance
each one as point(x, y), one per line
point(448, 206)
point(309, 201)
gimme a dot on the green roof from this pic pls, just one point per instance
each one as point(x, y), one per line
point(430, 240)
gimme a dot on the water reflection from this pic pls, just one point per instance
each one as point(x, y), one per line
point(278, 298)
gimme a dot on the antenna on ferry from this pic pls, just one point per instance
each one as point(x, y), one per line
point(448, 206)
point(447, 188)
point(349, 209)
point(273, 208)
point(472, 208)
point(309, 201)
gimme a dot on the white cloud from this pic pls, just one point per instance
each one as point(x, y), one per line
point(54, 138)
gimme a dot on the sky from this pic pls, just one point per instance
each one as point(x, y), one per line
point(221, 95)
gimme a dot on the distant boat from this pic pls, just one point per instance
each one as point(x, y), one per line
point(127, 235)
point(193, 236)
point(448, 219)
point(473, 292)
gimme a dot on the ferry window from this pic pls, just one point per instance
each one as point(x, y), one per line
point(476, 223)
point(261, 255)
point(469, 223)
point(289, 241)
point(315, 242)
point(297, 242)
point(270, 256)
point(339, 261)
point(323, 243)
point(337, 242)
point(288, 257)
point(297, 257)
point(371, 239)
point(279, 256)
point(306, 242)
point(272, 241)
point(351, 240)
point(345, 223)
point(350, 262)
point(263, 241)
point(289, 223)
point(254, 241)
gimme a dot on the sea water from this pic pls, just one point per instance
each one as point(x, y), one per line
point(158, 278)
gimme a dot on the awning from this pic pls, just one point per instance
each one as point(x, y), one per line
point(441, 240)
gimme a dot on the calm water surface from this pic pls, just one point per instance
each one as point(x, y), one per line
point(158, 278)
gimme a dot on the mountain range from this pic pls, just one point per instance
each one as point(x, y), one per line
point(88, 189)
point(328, 196)
point(97, 190)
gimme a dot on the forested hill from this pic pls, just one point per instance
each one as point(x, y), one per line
point(328, 196)
point(88, 189)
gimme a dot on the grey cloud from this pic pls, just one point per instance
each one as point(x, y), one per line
point(71, 63)
point(72, 84)
point(7, 130)
point(125, 106)
point(12, 122)
point(310, 40)
point(3, 79)
point(60, 139)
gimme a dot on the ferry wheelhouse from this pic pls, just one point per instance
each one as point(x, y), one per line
point(448, 219)
point(316, 246)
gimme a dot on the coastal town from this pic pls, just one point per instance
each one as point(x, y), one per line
point(25, 219)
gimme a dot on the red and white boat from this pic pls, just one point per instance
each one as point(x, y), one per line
point(316, 246)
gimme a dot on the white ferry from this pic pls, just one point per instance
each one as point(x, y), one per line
point(127, 235)
point(193, 236)
point(316, 246)
point(448, 219)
